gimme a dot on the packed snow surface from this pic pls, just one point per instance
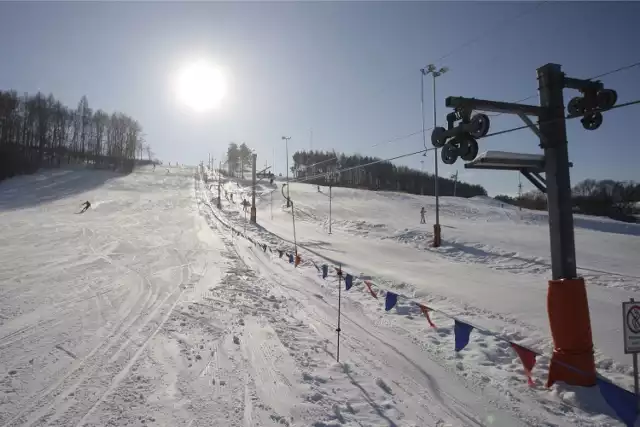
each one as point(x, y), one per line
point(148, 310)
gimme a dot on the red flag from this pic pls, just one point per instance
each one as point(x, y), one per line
point(373, 294)
point(528, 359)
point(425, 311)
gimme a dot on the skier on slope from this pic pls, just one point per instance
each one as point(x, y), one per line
point(86, 205)
point(422, 212)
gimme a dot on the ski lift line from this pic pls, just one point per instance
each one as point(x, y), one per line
point(617, 70)
point(499, 24)
point(400, 138)
point(608, 73)
point(626, 104)
point(321, 162)
point(308, 178)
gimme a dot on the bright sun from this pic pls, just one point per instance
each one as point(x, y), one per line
point(201, 86)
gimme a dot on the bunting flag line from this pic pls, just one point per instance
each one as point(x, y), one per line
point(528, 359)
point(425, 311)
point(462, 331)
point(373, 294)
point(390, 300)
point(623, 402)
point(348, 281)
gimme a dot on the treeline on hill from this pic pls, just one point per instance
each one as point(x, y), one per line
point(312, 166)
point(613, 199)
point(38, 131)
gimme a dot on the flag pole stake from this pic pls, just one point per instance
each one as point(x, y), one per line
point(339, 307)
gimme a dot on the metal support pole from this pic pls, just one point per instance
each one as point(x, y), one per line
point(330, 208)
point(436, 227)
point(219, 183)
point(339, 310)
point(636, 380)
point(293, 218)
point(271, 204)
point(431, 69)
point(455, 183)
point(554, 140)
point(295, 239)
point(424, 136)
point(286, 142)
point(636, 384)
point(567, 303)
point(253, 192)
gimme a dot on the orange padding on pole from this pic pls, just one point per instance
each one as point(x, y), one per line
point(572, 361)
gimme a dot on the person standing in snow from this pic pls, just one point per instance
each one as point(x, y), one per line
point(422, 212)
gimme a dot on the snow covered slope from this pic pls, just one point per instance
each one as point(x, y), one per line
point(492, 269)
point(147, 310)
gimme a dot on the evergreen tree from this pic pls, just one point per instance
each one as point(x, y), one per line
point(233, 158)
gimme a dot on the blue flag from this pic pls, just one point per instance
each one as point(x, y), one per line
point(348, 281)
point(290, 258)
point(390, 301)
point(462, 331)
point(325, 271)
point(623, 402)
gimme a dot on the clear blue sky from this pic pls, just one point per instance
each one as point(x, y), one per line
point(349, 71)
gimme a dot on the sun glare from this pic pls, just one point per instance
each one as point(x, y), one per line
point(201, 86)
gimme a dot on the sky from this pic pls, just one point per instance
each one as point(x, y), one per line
point(341, 76)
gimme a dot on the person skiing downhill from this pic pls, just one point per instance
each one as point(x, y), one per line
point(422, 212)
point(86, 205)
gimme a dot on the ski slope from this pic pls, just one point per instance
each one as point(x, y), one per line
point(147, 310)
point(492, 269)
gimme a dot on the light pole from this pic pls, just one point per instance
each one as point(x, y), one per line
point(286, 142)
point(431, 69)
point(422, 170)
point(454, 177)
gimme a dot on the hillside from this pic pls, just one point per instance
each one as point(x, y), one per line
point(148, 309)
